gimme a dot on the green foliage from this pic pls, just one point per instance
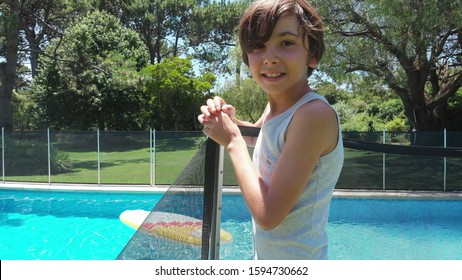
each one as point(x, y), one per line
point(362, 103)
point(202, 29)
point(455, 109)
point(174, 94)
point(396, 125)
point(90, 79)
point(364, 109)
point(411, 47)
point(455, 102)
point(331, 92)
point(22, 105)
point(248, 99)
point(213, 33)
point(386, 110)
point(355, 122)
point(21, 101)
point(29, 157)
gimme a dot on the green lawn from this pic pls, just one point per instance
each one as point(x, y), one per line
point(128, 162)
point(364, 170)
point(122, 166)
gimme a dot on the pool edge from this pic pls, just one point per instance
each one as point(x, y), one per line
point(396, 194)
point(340, 193)
point(94, 188)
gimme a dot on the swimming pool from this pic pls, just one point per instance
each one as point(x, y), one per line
point(85, 226)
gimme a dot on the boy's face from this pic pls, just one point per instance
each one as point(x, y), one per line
point(280, 64)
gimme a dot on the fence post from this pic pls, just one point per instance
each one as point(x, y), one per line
point(154, 157)
point(49, 156)
point(151, 157)
point(3, 154)
point(444, 171)
point(383, 159)
point(213, 183)
point(99, 161)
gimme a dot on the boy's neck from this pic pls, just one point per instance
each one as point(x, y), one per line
point(278, 104)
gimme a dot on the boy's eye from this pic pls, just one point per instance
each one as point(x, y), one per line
point(259, 46)
point(287, 43)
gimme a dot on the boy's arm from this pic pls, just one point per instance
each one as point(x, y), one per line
point(312, 133)
point(250, 141)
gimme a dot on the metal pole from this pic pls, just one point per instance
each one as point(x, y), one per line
point(445, 162)
point(151, 175)
point(213, 183)
point(99, 160)
point(49, 156)
point(216, 222)
point(150, 157)
point(154, 157)
point(3, 154)
point(383, 160)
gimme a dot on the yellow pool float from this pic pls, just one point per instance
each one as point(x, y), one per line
point(173, 226)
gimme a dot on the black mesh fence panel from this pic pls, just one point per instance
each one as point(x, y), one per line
point(361, 170)
point(407, 161)
point(405, 172)
point(173, 150)
point(78, 152)
point(125, 158)
point(26, 156)
point(183, 200)
point(129, 158)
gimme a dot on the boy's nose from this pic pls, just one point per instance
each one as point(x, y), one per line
point(271, 57)
point(269, 60)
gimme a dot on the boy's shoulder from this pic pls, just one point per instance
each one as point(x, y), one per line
point(316, 108)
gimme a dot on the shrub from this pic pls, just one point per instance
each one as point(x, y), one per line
point(29, 157)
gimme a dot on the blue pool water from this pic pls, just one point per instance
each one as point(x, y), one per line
point(85, 226)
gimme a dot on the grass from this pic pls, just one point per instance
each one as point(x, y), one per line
point(364, 170)
point(122, 166)
point(128, 162)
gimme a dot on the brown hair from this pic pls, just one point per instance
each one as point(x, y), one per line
point(261, 17)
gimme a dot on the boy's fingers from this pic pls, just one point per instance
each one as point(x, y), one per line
point(219, 102)
point(211, 105)
point(205, 110)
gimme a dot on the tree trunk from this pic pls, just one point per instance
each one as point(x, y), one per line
point(6, 114)
point(8, 69)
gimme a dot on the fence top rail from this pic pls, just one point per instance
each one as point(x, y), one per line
point(379, 147)
point(403, 149)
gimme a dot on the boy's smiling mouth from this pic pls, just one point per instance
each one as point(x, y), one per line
point(273, 75)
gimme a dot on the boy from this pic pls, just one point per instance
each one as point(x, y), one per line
point(298, 155)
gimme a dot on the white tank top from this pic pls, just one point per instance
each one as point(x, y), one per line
point(302, 234)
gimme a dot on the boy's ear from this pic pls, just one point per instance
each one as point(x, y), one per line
point(313, 62)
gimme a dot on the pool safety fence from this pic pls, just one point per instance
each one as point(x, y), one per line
point(374, 160)
point(186, 222)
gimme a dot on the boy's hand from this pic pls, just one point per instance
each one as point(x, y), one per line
point(214, 107)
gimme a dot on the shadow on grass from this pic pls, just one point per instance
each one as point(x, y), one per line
point(127, 143)
point(169, 145)
point(364, 170)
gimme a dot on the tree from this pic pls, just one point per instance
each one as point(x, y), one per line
point(26, 27)
point(202, 29)
point(9, 32)
point(413, 47)
point(160, 23)
point(247, 97)
point(214, 33)
point(174, 94)
point(43, 20)
point(90, 79)
point(167, 28)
